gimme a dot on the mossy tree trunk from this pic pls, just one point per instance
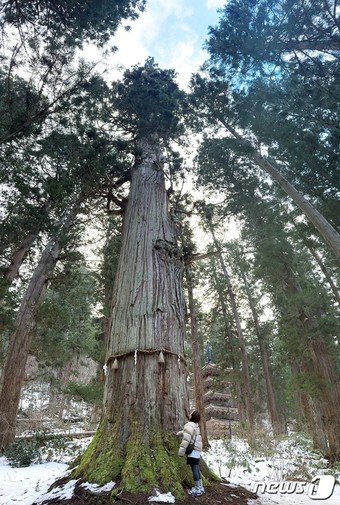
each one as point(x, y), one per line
point(146, 398)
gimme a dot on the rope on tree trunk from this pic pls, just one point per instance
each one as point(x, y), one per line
point(144, 351)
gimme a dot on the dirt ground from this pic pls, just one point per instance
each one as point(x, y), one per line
point(217, 494)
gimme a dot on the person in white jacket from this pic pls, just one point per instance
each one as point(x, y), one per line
point(191, 434)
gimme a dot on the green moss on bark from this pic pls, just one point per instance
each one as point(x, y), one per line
point(154, 463)
point(102, 461)
point(145, 464)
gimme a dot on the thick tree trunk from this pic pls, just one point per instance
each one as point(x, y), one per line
point(19, 343)
point(277, 424)
point(326, 230)
point(329, 385)
point(198, 382)
point(244, 357)
point(146, 398)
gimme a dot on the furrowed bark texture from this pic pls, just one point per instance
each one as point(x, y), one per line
point(13, 373)
point(145, 401)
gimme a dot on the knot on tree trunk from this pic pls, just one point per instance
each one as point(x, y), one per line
point(168, 250)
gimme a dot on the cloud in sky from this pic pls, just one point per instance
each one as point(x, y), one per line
point(173, 32)
point(215, 4)
point(165, 31)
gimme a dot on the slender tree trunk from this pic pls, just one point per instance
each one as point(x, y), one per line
point(146, 397)
point(325, 372)
point(318, 259)
point(328, 277)
point(310, 410)
point(19, 342)
point(234, 364)
point(64, 377)
point(305, 406)
point(319, 435)
point(96, 414)
point(326, 230)
point(20, 254)
point(276, 421)
point(244, 356)
point(199, 389)
point(18, 257)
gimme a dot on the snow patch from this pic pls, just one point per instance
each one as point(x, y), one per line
point(96, 488)
point(63, 492)
point(162, 497)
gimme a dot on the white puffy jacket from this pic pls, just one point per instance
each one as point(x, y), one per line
point(189, 432)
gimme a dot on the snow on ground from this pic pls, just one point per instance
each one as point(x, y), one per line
point(288, 460)
point(34, 397)
point(23, 486)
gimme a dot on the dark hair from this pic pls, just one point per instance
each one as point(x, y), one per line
point(195, 416)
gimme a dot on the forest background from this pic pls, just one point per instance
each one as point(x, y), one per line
point(258, 197)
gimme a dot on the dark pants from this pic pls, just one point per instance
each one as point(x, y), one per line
point(194, 463)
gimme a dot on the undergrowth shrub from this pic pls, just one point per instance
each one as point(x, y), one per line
point(23, 452)
point(41, 447)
